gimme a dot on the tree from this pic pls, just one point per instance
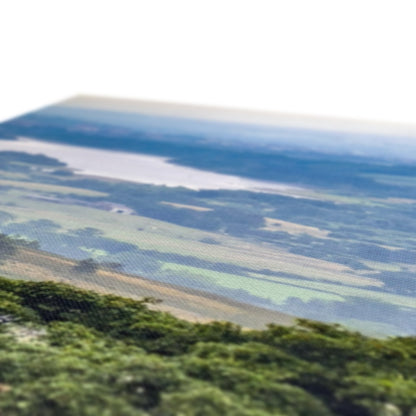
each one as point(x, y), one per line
point(86, 266)
point(7, 246)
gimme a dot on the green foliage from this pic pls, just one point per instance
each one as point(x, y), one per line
point(205, 401)
point(89, 354)
point(10, 305)
point(7, 246)
point(86, 266)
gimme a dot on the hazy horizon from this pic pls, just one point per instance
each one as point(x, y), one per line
point(316, 135)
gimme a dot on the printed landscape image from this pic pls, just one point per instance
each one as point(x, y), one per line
point(180, 261)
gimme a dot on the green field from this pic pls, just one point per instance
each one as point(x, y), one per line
point(275, 263)
point(276, 292)
point(164, 237)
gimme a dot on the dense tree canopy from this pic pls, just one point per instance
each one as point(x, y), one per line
point(71, 352)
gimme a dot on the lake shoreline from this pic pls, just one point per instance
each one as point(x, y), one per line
point(141, 168)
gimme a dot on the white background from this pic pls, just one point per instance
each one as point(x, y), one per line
point(338, 58)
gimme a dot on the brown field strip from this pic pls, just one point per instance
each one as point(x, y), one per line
point(184, 303)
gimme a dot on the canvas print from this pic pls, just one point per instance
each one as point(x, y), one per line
point(172, 260)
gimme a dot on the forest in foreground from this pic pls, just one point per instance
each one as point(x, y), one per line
point(72, 352)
